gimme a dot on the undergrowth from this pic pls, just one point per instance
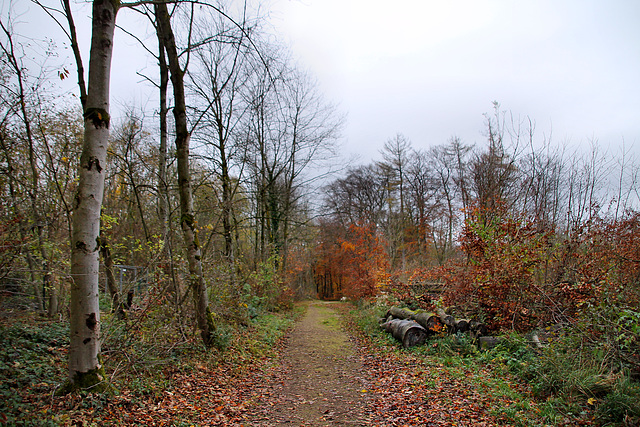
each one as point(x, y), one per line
point(32, 357)
point(143, 357)
point(570, 381)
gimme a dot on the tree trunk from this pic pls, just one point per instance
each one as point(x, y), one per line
point(462, 325)
point(53, 308)
point(448, 320)
point(401, 313)
point(11, 59)
point(430, 321)
point(478, 329)
point(408, 332)
point(187, 220)
point(116, 303)
point(163, 188)
point(227, 196)
point(85, 369)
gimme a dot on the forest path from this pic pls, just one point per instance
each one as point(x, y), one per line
point(322, 381)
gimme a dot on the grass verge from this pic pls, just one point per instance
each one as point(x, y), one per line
point(566, 383)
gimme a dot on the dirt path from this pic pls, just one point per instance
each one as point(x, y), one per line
point(322, 383)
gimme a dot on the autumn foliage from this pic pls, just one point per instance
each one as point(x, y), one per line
point(503, 276)
point(518, 275)
point(352, 262)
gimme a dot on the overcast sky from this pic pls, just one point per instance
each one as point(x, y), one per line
point(430, 69)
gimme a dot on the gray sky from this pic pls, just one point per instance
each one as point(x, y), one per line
point(430, 69)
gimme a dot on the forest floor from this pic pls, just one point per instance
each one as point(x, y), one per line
point(325, 372)
point(332, 375)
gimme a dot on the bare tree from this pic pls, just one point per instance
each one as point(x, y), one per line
point(197, 284)
point(221, 71)
point(291, 129)
point(358, 197)
point(443, 167)
point(586, 177)
point(312, 128)
point(541, 186)
point(16, 124)
point(396, 157)
point(422, 190)
point(494, 172)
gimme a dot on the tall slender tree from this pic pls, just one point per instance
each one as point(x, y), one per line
point(222, 71)
point(396, 158)
point(204, 316)
point(85, 368)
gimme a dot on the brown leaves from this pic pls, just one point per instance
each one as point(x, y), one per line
point(408, 389)
point(409, 395)
point(393, 388)
point(217, 396)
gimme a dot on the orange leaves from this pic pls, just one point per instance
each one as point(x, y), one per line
point(351, 262)
point(348, 247)
point(364, 262)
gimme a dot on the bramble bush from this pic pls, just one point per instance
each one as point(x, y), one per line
point(517, 276)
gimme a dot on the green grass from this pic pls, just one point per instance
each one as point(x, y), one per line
point(569, 382)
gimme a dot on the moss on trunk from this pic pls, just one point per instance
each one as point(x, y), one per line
point(94, 381)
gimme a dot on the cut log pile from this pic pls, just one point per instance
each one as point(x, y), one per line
point(413, 328)
point(408, 332)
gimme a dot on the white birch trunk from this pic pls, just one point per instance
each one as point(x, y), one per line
point(84, 354)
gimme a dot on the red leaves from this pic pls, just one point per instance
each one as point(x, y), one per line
point(519, 275)
point(351, 262)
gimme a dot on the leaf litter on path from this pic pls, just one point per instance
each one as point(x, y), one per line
point(325, 375)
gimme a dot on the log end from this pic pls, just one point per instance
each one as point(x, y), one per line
point(414, 337)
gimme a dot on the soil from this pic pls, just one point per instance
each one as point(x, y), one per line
point(322, 383)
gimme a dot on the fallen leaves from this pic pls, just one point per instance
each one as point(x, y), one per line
point(406, 389)
point(389, 388)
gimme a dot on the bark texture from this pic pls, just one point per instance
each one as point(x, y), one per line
point(430, 321)
point(85, 370)
point(408, 332)
point(187, 220)
point(447, 319)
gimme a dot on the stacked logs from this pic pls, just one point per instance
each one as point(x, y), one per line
point(408, 332)
point(413, 328)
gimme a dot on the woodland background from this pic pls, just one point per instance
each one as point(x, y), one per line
point(519, 232)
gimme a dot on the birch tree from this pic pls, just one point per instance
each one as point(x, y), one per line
point(85, 368)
